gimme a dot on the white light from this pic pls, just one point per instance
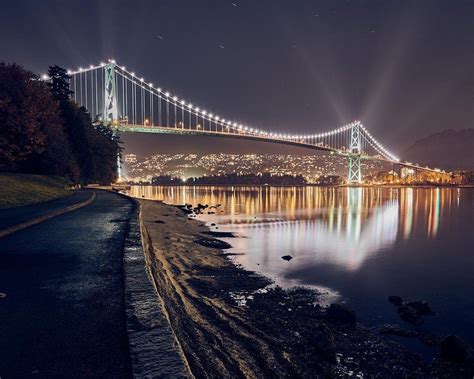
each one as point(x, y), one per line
point(175, 99)
point(133, 74)
point(45, 77)
point(190, 106)
point(158, 89)
point(183, 103)
point(196, 109)
point(91, 66)
point(69, 72)
point(211, 115)
point(124, 68)
point(167, 94)
point(102, 64)
point(112, 61)
point(151, 85)
point(141, 79)
point(80, 69)
point(204, 113)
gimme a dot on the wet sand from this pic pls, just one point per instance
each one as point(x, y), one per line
point(230, 322)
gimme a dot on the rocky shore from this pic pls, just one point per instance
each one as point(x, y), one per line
point(234, 323)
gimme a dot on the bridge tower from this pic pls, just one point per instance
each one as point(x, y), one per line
point(355, 174)
point(110, 115)
point(110, 95)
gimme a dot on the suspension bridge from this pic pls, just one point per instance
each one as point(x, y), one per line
point(129, 103)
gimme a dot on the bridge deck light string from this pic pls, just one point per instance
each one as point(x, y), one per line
point(229, 125)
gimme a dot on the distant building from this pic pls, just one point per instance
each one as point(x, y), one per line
point(130, 158)
point(407, 172)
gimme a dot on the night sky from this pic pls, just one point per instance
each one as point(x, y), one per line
point(404, 68)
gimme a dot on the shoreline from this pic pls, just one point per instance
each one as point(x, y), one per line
point(231, 322)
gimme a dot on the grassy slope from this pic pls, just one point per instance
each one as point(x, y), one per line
point(23, 189)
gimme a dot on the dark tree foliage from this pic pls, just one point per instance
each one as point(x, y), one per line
point(235, 179)
point(31, 130)
point(42, 131)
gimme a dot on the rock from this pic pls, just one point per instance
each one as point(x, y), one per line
point(396, 300)
point(341, 313)
point(323, 341)
point(409, 314)
point(421, 307)
point(213, 243)
point(455, 349)
point(397, 330)
point(220, 234)
point(287, 258)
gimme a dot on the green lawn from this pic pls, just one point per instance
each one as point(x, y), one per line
point(23, 189)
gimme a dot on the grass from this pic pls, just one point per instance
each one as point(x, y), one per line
point(22, 189)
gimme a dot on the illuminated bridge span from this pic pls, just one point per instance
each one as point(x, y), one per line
point(130, 103)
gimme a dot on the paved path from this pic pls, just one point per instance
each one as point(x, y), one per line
point(64, 312)
point(15, 216)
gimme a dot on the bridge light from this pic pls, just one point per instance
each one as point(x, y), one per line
point(112, 61)
point(133, 74)
point(158, 89)
point(183, 103)
point(167, 94)
point(151, 85)
point(211, 115)
point(240, 126)
point(141, 79)
point(44, 77)
point(91, 66)
point(175, 99)
point(80, 69)
point(124, 68)
point(196, 109)
point(102, 64)
point(204, 112)
point(190, 106)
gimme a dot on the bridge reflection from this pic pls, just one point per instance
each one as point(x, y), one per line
point(337, 226)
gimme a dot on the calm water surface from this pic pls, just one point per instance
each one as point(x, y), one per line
point(360, 244)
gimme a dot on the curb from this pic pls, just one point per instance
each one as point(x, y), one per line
point(37, 220)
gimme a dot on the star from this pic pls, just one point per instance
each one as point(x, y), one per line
point(160, 37)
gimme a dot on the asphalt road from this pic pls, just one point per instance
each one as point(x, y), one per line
point(14, 216)
point(63, 313)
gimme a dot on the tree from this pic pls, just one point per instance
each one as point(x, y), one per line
point(96, 147)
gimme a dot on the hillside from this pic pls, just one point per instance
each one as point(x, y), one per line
point(449, 149)
point(23, 189)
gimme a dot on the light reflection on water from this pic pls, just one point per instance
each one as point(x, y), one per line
point(363, 243)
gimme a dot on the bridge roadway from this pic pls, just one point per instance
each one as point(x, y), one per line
point(249, 136)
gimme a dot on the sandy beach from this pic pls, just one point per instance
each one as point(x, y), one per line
point(230, 322)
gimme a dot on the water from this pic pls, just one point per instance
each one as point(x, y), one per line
point(360, 244)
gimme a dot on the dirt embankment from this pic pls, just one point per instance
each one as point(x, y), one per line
point(229, 324)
